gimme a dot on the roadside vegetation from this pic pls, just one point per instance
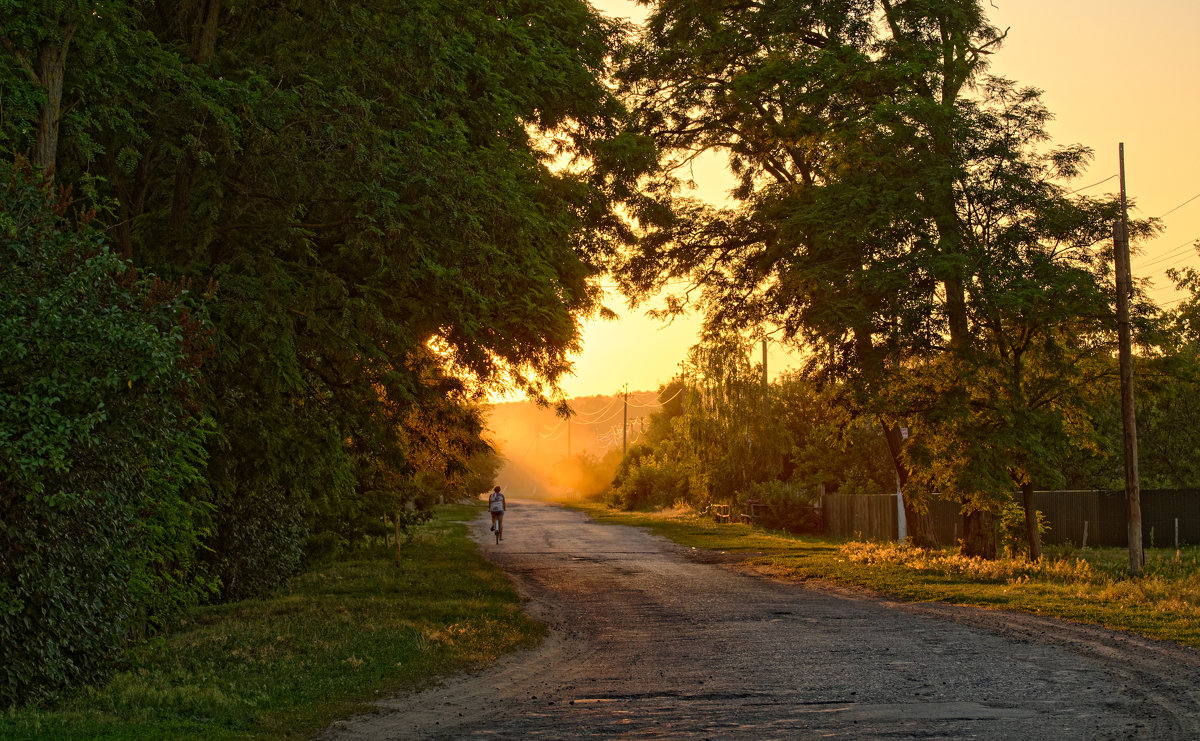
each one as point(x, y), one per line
point(257, 280)
point(338, 637)
point(1090, 585)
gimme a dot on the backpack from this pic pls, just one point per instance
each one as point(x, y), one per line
point(496, 502)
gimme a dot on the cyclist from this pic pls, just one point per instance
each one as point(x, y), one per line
point(497, 506)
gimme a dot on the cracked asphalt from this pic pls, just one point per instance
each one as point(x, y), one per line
point(651, 640)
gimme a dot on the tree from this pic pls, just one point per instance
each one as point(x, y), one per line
point(1008, 412)
point(835, 121)
point(713, 441)
point(885, 205)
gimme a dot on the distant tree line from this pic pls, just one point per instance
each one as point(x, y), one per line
point(261, 263)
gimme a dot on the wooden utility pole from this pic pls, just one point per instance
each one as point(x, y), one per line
point(1124, 280)
point(765, 385)
point(625, 424)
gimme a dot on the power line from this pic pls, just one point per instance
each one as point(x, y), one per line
point(1180, 261)
point(580, 415)
point(1171, 253)
point(551, 435)
point(1093, 185)
point(1181, 205)
point(601, 421)
point(660, 404)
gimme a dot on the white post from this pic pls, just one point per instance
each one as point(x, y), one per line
point(901, 523)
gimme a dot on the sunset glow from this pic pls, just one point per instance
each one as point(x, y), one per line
point(1111, 72)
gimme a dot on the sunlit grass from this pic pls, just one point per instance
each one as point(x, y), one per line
point(337, 638)
point(1090, 585)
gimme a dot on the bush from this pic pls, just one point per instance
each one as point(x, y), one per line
point(647, 483)
point(99, 511)
point(1010, 523)
point(259, 539)
point(789, 509)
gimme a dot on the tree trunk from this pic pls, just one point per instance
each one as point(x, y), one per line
point(979, 534)
point(131, 196)
point(49, 74)
point(1031, 525)
point(203, 46)
point(399, 539)
point(920, 524)
point(204, 40)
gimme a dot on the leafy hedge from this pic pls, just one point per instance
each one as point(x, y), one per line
point(100, 513)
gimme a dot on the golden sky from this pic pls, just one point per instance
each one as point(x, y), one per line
point(1111, 71)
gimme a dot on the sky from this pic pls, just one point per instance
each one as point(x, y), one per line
point(1111, 71)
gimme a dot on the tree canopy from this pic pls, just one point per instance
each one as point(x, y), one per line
point(898, 212)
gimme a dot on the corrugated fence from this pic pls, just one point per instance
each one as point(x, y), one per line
point(1095, 518)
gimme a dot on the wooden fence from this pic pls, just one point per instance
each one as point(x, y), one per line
point(871, 517)
point(1094, 518)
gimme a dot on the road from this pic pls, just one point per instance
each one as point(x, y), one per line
point(651, 640)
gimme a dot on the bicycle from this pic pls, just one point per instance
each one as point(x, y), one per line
point(496, 528)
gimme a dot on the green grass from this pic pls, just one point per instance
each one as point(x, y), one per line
point(1089, 585)
point(339, 637)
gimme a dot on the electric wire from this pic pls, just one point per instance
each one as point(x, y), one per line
point(1093, 185)
point(580, 416)
point(1171, 253)
point(1180, 206)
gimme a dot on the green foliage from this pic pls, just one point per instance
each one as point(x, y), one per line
point(376, 191)
point(646, 480)
point(899, 215)
point(786, 508)
point(718, 445)
point(1167, 380)
point(102, 504)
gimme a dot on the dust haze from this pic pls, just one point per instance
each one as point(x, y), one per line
point(551, 458)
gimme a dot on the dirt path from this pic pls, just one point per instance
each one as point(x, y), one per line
point(650, 641)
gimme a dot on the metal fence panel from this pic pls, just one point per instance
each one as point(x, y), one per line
point(1093, 518)
point(870, 517)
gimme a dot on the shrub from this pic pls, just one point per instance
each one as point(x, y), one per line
point(789, 509)
point(259, 538)
point(649, 482)
point(99, 506)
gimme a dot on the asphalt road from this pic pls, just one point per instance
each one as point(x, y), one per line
point(650, 640)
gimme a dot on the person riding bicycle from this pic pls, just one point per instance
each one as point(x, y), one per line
point(496, 506)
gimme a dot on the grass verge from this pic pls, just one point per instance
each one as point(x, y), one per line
point(1090, 585)
point(340, 636)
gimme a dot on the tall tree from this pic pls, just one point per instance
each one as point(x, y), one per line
point(880, 218)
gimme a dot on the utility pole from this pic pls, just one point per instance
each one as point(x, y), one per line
point(1124, 279)
point(625, 424)
point(568, 437)
point(765, 386)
